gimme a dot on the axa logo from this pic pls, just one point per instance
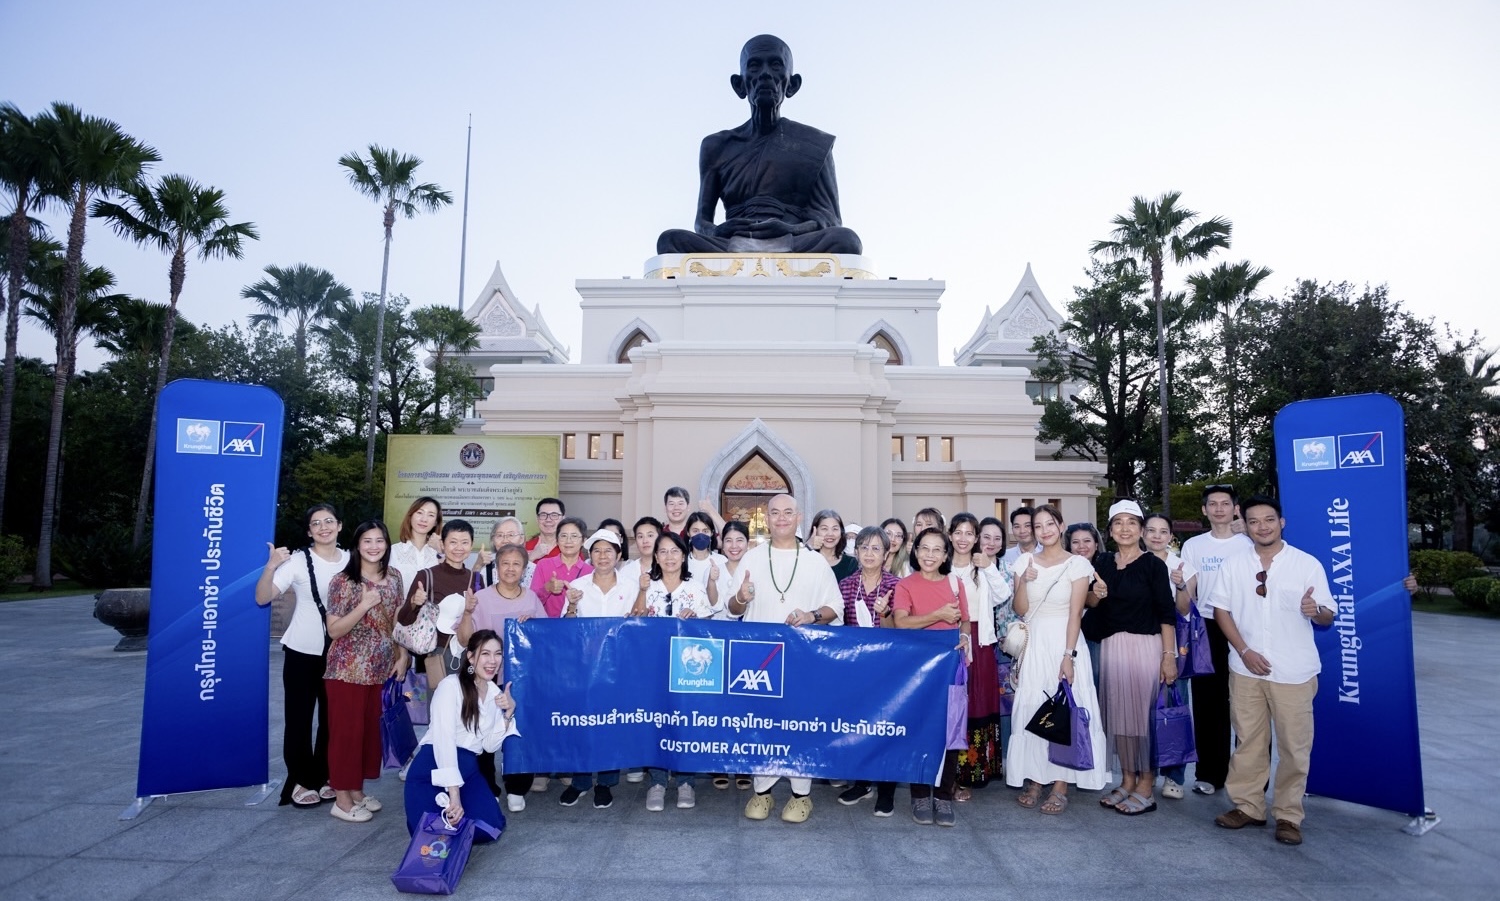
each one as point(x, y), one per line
point(1362, 449)
point(758, 667)
point(243, 439)
point(696, 665)
point(1313, 453)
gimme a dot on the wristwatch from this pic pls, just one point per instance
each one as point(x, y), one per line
point(816, 615)
point(1073, 654)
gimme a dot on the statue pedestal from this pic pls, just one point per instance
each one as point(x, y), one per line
point(760, 297)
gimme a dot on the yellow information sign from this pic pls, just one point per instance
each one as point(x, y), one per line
point(479, 478)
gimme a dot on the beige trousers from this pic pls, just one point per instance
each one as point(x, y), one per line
point(1255, 705)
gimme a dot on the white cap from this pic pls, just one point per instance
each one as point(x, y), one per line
point(1126, 506)
point(450, 611)
point(603, 535)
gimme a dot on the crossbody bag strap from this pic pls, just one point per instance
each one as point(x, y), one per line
point(312, 581)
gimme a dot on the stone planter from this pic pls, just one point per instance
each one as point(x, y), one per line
point(127, 611)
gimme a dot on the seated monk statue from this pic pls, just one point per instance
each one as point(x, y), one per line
point(775, 176)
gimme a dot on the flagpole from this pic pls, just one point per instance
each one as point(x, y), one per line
point(463, 245)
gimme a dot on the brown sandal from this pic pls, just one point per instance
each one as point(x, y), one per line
point(1031, 797)
point(1055, 804)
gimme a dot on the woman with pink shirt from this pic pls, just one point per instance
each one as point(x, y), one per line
point(550, 581)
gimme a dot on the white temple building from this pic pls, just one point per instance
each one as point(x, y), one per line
point(738, 376)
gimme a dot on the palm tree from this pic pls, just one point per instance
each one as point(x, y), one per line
point(1153, 230)
point(91, 157)
point(1221, 292)
point(389, 179)
point(305, 294)
point(179, 217)
point(444, 331)
point(27, 182)
point(136, 327)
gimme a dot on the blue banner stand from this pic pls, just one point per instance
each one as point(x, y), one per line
point(1341, 474)
point(205, 721)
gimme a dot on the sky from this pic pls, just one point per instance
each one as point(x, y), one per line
point(1347, 140)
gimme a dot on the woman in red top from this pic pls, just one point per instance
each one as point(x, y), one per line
point(362, 605)
point(932, 599)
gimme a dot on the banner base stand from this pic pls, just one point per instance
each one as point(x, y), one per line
point(138, 805)
point(1423, 824)
point(263, 792)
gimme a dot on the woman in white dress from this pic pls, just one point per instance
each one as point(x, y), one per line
point(1050, 585)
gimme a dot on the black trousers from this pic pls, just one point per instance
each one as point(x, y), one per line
point(514, 783)
point(1211, 712)
point(946, 780)
point(304, 744)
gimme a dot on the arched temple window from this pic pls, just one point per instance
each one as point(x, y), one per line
point(748, 491)
point(636, 339)
point(884, 342)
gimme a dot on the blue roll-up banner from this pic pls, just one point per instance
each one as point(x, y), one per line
point(205, 723)
point(705, 696)
point(1341, 468)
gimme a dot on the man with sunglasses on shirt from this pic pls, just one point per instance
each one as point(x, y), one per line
point(1266, 603)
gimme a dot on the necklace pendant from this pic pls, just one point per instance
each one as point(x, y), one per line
point(783, 599)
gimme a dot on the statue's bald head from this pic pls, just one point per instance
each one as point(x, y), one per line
point(766, 42)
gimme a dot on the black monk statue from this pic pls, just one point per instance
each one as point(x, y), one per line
point(775, 176)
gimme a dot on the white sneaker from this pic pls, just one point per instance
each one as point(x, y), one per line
point(516, 803)
point(687, 799)
point(539, 783)
point(635, 776)
point(656, 797)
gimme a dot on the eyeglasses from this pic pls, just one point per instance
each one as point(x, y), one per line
point(1260, 577)
point(319, 523)
point(549, 516)
point(928, 549)
point(875, 548)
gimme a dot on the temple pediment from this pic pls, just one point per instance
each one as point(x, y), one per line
point(1004, 337)
point(508, 332)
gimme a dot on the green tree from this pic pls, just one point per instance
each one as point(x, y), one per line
point(1152, 231)
point(1104, 347)
point(388, 178)
point(181, 218)
point(27, 179)
point(443, 332)
point(1220, 294)
point(137, 326)
point(1461, 436)
point(304, 294)
point(93, 158)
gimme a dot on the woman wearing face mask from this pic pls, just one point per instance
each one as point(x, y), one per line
point(705, 563)
point(305, 645)
point(470, 715)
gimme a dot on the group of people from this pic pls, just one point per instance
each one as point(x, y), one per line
point(1102, 621)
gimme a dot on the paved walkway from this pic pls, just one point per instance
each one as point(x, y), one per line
point(72, 713)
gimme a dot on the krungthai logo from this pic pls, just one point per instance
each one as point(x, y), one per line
point(197, 436)
point(696, 665)
point(757, 667)
point(1313, 453)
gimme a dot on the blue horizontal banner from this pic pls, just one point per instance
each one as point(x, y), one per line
point(705, 696)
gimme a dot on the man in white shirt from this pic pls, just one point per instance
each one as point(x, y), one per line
point(1020, 531)
point(1267, 603)
point(1206, 554)
point(785, 583)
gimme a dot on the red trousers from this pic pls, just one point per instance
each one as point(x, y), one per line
point(353, 734)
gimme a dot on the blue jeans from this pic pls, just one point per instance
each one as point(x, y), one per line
point(659, 777)
point(475, 795)
point(585, 781)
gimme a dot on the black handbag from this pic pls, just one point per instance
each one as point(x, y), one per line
point(1053, 720)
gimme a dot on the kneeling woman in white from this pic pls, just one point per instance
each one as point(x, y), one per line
point(469, 714)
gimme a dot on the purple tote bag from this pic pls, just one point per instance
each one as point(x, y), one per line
point(1079, 754)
